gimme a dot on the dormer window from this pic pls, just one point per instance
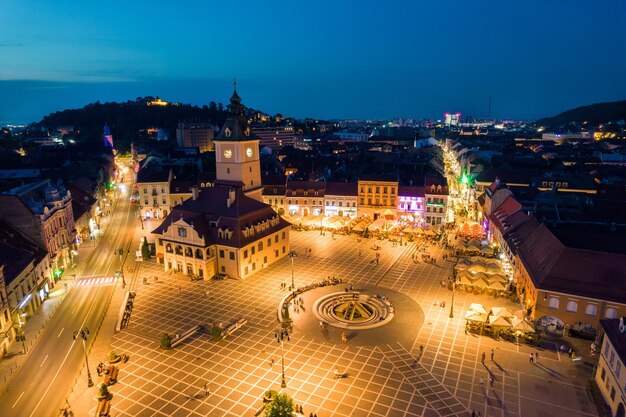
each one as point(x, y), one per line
point(227, 132)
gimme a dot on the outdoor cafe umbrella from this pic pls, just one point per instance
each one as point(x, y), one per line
point(496, 285)
point(429, 232)
point(502, 312)
point(476, 267)
point(465, 280)
point(478, 308)
point(523, 326)
point(499, 321)
point(497, 277)
point(474, 316)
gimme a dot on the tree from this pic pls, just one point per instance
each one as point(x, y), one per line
point(281, 406)
point(212, 107)
point(145, 249)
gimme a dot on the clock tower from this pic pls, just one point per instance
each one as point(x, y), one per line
point(237, 153)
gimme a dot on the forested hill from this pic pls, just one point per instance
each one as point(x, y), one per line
point(593, 114)
point(128, 120)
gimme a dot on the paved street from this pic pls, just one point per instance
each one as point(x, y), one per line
point(386, 377)
point(40, 385)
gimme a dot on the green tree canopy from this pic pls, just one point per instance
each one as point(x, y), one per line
point(281, 406)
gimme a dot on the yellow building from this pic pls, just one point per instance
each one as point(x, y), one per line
point(610, 375)
point(377, 196)
point(225, 229)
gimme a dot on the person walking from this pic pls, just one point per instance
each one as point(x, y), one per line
point(532, 358)
point(483, 358)
point(491, 381)
point(492, 353)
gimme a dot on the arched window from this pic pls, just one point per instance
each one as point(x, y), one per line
point(198, 253)
point(179, 250)
point(210, 252)
point(188, 252)
point(554, 302)
point(591, 310)
point(572, 306)
point(610, 313)
point(168, 248)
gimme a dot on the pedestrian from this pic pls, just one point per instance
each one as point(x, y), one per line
point(482, 381)
point(491, 381)
point(492, 353)
point(482, 359)
point(532, 358)
point(421, 350)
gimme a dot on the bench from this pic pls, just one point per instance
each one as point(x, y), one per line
point(180, 338)
point(236, 325)
point(104, 407)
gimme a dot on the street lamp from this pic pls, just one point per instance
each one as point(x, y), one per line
point(83, 333)
point(280, 338)
point(452, 303)
point(292, 254)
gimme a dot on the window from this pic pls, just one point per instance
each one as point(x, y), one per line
point(253, 249)
point(223, 269)
point(612, 357)
point(276, 239)
point(377, 190)
point(362, 200)
point(610, 313)
point(145, 191)
point(340, 204)
point(228, 170)
point(231, 255)
point(254, 266)
point(306, 193)
point(160, 242)
point(283, 235)
point(603, 373)
point(591, 310)
point(369, 201)
point(245, 253)
point(245, 271)
point(182, 232)
point(260, 248)
point(306, 202)
point(393, 190)
point(618, 368)
point(316, 193)
point(269, 242)
point(362, 190)
point(283, 249)
point(606, 349)
point(612, 394)
point(221, 253)
point(384, 190)
point(276, 253)
point(265, 259)
point(288, 201)
point(572, 306)
point(554, 303)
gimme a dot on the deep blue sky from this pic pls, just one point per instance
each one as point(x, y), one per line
point(336, 59)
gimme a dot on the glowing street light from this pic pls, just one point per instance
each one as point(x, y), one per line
point(83, 333)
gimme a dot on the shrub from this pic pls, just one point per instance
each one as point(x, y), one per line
point(166, 341)
point(216, 332)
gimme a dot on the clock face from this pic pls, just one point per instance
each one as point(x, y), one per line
point(249, 152)
point(228, 153)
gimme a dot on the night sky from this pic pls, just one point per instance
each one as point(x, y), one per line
point(336, 59)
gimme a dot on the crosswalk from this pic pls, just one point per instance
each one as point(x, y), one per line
point(92, 281)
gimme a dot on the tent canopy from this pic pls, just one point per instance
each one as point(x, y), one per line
point(478, 308)
point(502, 312)
point(499, 321)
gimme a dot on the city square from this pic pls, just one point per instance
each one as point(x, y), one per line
point(386, 374)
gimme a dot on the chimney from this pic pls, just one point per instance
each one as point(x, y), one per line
point(231, 197)
point(195, 192)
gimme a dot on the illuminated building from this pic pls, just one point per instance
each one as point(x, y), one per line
point(275, 137)
point(452, 119)
point(226, 228)
point(157, 102)
point(195, 135)
point(378, 196)
point(107, 136)
point(610, 374)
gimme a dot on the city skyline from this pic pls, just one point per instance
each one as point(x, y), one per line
point(352, 60)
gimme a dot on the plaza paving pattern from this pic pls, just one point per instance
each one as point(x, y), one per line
point(386, 378)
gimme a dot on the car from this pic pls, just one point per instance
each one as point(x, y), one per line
point(220, 276)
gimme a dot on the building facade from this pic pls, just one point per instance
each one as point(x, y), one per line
point(378, 197)
point(436, 195)
point(195, 135)
point(411, 204)
point(225, 229)
point(43, 212)
point(7, 333)
point(153, 187)
point(340, 199)
point(305, 197)
point(610, 375)
point(275, 137)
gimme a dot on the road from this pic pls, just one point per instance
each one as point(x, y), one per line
point(40, 386)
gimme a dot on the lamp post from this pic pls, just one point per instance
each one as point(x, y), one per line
point(452, 303)
point(292, 254)
point(280, 338)
point(83, 333)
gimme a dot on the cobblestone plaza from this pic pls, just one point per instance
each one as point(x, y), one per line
point(387, 374)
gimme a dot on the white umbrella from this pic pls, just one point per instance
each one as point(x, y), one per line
point(478, 308)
